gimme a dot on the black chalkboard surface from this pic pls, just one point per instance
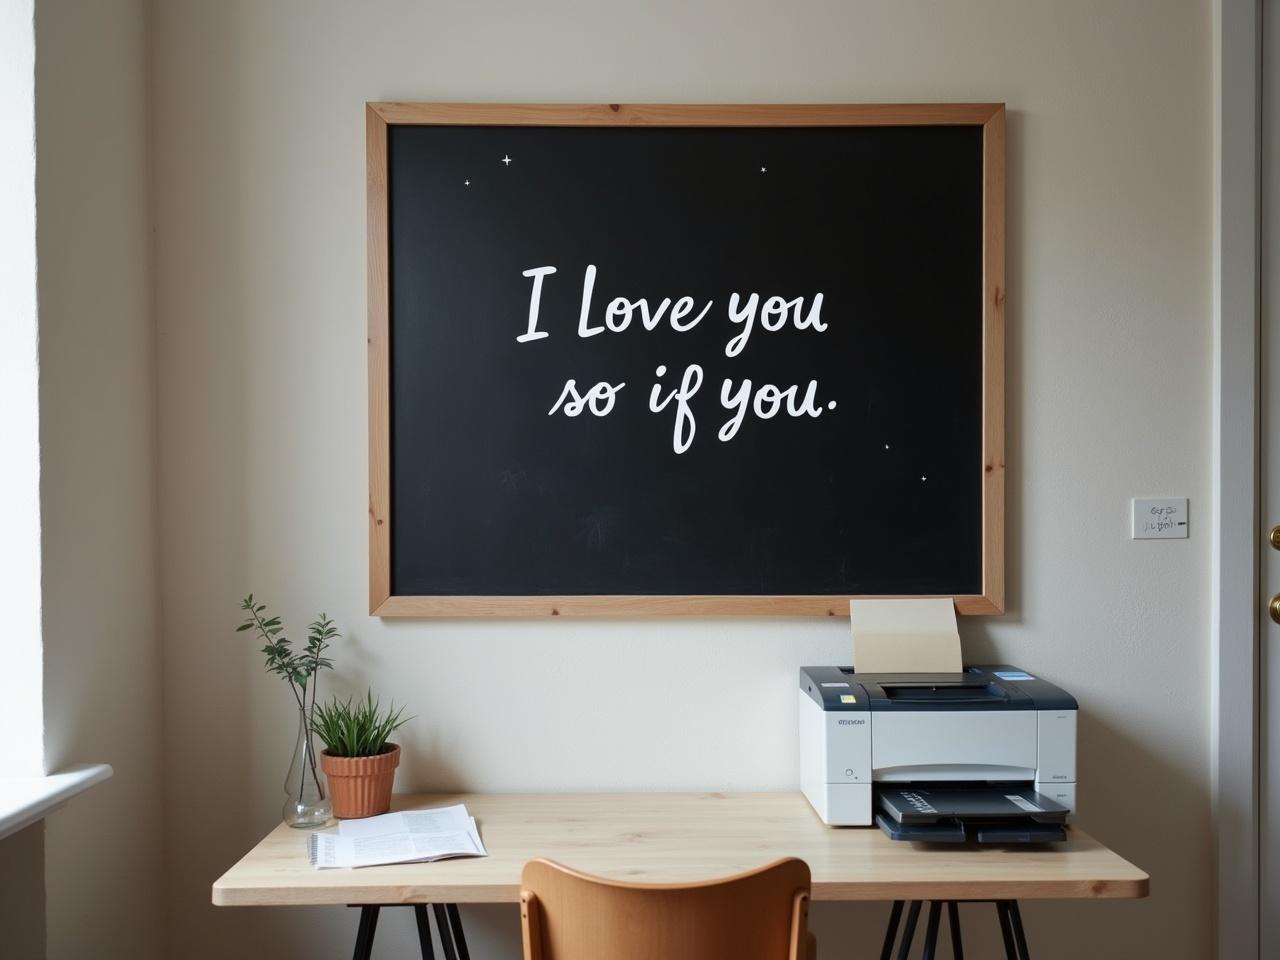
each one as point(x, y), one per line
point(680, 368)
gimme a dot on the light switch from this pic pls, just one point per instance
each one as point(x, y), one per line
point(1160, 518)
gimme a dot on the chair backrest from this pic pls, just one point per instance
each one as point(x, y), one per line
point(760, 915)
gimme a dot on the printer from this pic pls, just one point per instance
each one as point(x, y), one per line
point(993, 746)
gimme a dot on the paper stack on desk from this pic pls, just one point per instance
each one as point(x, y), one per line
point(409, 836)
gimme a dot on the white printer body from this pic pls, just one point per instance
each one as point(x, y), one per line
point(996, 725)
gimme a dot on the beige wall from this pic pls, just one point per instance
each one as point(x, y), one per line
point(22, 892)
point(98, 467)
point(259, 163)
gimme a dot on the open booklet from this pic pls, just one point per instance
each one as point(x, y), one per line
point(409, 836)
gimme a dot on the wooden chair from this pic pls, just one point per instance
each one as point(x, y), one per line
point(759, 915)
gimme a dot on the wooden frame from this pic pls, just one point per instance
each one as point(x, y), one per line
point(989, 116)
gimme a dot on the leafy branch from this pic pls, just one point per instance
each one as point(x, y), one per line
point(299, 668)
point(319, 633)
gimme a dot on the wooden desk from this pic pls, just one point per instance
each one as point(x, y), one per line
point(666, 837)
point(676, 837)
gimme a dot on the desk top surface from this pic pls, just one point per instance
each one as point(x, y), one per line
point(674, 838)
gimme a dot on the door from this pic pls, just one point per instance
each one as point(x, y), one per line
point(1269, 460)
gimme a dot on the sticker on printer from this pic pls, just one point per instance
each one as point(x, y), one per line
point(1023, 803)
point(1013, 675)
point(845, 685)
point(848, 698)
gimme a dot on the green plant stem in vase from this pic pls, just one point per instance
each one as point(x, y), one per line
point(307, 803)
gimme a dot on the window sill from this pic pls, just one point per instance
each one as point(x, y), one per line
point(24, 800)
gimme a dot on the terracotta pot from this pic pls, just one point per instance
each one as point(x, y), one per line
point(361, 786)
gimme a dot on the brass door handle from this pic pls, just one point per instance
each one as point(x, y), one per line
point(1273, 608)
point(1274, 538)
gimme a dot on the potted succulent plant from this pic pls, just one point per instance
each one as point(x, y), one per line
point(358, 758)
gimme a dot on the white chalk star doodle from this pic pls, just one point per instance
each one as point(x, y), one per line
point(506, 159)
point(466, 183)
point(763, 170)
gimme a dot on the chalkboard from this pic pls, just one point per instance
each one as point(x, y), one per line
point(684, 359)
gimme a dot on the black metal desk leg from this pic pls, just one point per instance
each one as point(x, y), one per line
point(931, 932)
point(364, 933)
point(1011, 930)
point(423, 920)
point(1019, 935)
point(910, 932)
point(442, 928)
point(891, 931)
point(1006, 930)
point(459, 937)
point(953, 916)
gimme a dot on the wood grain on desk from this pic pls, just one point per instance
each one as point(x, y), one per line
point(677, 837)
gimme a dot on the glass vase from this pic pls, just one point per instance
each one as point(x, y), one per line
point(306, 801)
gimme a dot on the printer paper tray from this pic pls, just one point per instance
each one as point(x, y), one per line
point(986, 813)
point(989, 831)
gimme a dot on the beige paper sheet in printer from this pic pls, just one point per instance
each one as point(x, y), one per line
point(905, 636)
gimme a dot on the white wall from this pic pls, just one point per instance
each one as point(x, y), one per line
point(259, 159)
point(98, 487)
